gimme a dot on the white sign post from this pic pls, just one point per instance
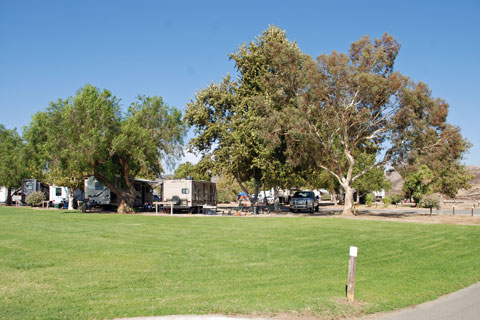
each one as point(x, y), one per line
point(351, 274)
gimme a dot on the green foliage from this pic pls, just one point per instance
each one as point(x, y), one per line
point(326, 197)
point(35, 199)
point(396, 198)
point(187, 169)
point(232, 119)
point(373, 179)
point(88, 135)
point(227, 190)
point(386, 201)
point(429, 202)
point(418, 184)
point(369, 198)
point(13, 165)
point(286, 113)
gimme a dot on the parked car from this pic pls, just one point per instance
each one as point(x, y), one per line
point(304, 201)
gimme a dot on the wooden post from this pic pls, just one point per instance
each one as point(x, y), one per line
point(430, 210)
point(472, 211)
point(352, 262)
point(453, 210)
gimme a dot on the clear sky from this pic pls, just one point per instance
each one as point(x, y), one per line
point(49, 49)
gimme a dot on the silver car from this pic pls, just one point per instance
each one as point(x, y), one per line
point(304, 201)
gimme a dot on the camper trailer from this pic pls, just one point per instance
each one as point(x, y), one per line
point(59, 194)
point(100, 195)
point(191, 195)
point(3, 194)
point(33, 185)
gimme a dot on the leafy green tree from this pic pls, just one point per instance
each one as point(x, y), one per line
point(355, 104)
point(52, 153)
point(373, 180)
point(12, 161)
point(88, 135)
point(450, 175)
point(418, 184)
point(232, 119)
point(188, 169)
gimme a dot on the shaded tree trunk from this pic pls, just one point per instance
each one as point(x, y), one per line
point(9, 196)
point(126, 197)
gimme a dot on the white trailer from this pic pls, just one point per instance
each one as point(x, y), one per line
point(3, 194)
point(58, 194)
point(191, 195)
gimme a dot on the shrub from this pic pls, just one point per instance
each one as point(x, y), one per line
point(326, 197)
point(387, 201)
point(396, 198)
point(35, 199)
point(428, 202)
point(369, 199)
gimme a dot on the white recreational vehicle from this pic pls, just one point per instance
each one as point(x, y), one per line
point(187, 194)
point(3, 194)
point(98, 194)
point(58, 194)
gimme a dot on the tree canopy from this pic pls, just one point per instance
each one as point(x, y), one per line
point(88, 135)
point(12, 160)
point(287, 113)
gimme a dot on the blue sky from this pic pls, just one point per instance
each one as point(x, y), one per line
point(49, 49)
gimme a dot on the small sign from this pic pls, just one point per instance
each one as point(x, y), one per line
point(353, 251)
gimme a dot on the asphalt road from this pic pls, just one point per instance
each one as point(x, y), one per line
point(460, 305)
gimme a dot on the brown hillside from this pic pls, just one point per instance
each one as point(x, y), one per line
point(474, 191)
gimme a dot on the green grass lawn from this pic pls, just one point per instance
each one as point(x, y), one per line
point(55, 264)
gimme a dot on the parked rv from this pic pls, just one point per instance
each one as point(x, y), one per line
point(189, 195)
point(99, 195)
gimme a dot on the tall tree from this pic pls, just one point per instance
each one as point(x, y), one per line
point(232, 119)
point(88, 135)
point(12, 161)
point(357, 104)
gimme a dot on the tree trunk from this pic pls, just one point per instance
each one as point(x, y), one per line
point(9, 196)
point(70, 198)
point(276, 204)
point(127, 202)
point(347, 207)
point(257, 191)
point(334, 198)
point(126, 198)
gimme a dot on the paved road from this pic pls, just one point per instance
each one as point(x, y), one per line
point(460, 305)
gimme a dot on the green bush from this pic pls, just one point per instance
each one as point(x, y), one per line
point(326, 197)
point(387, 201)
point(396, 198)
point(369, 199)
point(35, 199)
point(428, 202)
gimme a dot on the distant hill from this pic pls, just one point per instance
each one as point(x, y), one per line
point(397, 182)
point(472, 193)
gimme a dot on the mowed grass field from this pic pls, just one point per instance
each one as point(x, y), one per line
point(55, 264)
